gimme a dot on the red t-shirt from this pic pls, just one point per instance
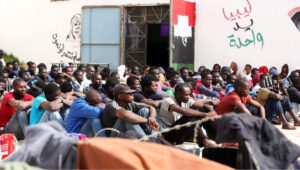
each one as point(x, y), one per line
point(226, 105)
point(7, 111)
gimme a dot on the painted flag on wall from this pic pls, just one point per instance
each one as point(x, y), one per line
point(183, 17)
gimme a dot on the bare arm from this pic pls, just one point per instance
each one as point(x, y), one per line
point(130, 116)
point(260, 107)
point(154, 103)
point(242, 107)
point(275, 96)
point(189, 112)
point(20, 105)
point(52, 106)
point(67, 102)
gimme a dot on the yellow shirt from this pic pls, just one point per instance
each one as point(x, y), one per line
point(262, 96)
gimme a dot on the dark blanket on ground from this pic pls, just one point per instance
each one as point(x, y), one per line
point(271, 149)
point(46, 146)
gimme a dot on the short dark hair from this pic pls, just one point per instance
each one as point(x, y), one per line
point(111, 82)
point(41, 65)
point(146, 66)
point(151, 70)
point(9, 63)
point(54, 66)
point(66, 87)
point(113, 74)
point(80, 66)
point(173, 73)
point(106, 70)
point(205, 73)
point(262, 76)
point(254, 70)
point(147, 81)
point(180, 87)
point(215, 71)
point(192, 81)
point(51, 89)
point(41, 68)
point(76, 72)
point(15, 61)
point(94, 76)
point(65, 68)
point(96, 66)
point(17, 81)
point(183, 68)
point(29, 63)
point(230, 76)
point(239, 83)
point(248, 65)
point(131, 79)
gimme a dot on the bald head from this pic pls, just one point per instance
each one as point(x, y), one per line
point(240, 82)
point(93, 97)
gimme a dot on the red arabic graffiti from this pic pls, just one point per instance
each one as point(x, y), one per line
point(233, 16)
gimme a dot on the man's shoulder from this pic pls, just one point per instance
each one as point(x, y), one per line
point(9, 95)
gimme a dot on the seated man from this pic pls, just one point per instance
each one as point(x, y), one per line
point(17, 100)
point(216, 81)
point(277, 104)
point(230, 83)
point(133, 82)
point(85, 113)
point(46, 106)
point(42, 75)
point(288, 81)
point(148, 94)
point(97, 86)
point(239, 101)
point(294, 92)
point(174, 78)
point(206, 88)
point(161, 88)
point(124, 114)
point(109, 87)
point(178, 110)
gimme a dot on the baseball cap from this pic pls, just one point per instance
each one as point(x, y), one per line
point(122, 88)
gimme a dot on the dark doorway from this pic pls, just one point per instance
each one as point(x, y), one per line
point(158, 45)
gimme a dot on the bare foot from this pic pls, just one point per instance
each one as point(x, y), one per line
point(276, 121)
point(288, 127)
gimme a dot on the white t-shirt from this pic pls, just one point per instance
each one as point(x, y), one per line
point(86, 82)
point(166, 117)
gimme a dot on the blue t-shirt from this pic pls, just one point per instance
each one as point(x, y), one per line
point(37, 112)
point(80, 111)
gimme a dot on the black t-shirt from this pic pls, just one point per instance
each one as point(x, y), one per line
point(138, 96)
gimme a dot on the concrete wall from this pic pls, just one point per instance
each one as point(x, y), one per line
point(281, 39)
point(37, 31)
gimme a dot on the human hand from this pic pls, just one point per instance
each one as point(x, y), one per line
point(153, 124)
point(211, 114)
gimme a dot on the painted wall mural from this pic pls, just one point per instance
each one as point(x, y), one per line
point(68, 48)
point(183, 23)
point(241, 17)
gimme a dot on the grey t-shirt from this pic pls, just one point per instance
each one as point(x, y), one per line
point(168, 117)
point(109, 115)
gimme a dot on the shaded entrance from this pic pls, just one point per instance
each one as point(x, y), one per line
point(144, 44)
point(158, 45)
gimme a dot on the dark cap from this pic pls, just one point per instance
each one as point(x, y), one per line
point(121, 88)
point(1, 52)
